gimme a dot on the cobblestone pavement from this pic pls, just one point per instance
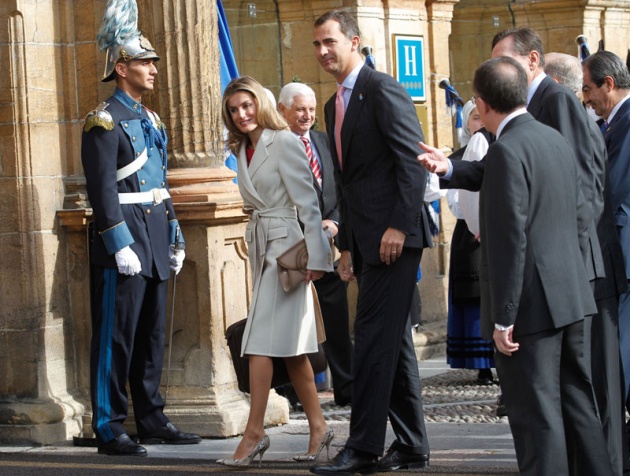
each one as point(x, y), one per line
point(450, 397)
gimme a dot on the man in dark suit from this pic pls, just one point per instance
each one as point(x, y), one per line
point(606, 89)
point(535, 290)
point(373, 130)
point(297, 104)
point(605, 355)
point(558, 107)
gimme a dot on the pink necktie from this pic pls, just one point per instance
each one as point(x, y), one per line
point(340, 111)
point(312, 160)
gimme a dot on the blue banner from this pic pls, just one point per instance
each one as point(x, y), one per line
point(229, 70)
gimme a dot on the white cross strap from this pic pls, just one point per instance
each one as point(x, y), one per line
point(133, 167)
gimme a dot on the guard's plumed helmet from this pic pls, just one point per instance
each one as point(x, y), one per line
point(119, 35)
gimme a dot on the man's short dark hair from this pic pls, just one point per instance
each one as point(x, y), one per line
point(605, 63)
point(347, 23)
point(502, 83)
point(525, 40)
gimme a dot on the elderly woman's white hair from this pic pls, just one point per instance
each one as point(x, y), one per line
point(290, 90)
point(271, 97)
point(465, 135)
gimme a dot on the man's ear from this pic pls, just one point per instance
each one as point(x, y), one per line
point(282, 109)
point(356, 41)
point(609, 82)
point(534, 59)
point(482, 105)
point(121, 69)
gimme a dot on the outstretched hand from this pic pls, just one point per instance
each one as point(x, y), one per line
point(433, 159)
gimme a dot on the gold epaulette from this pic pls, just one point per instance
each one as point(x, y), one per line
point(99, 117)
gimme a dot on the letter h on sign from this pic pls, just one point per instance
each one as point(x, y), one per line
point(410, 65)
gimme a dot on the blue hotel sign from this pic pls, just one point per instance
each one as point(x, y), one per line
point(410, 65)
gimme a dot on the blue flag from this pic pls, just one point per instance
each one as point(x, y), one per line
point(229, 71)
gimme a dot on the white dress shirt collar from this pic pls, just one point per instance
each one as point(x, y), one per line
point(349, 83)
point(615, 109)
point(520, 111)
point(531, 89)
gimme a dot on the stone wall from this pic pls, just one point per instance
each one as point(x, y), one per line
point(558, 22)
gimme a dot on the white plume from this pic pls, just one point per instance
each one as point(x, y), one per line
point(120, 23)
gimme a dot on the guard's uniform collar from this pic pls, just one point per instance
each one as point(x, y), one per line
point(128, 101)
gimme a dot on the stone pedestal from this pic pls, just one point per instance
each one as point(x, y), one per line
point(213, 291)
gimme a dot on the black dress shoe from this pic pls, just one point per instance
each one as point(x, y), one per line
point(347, 462)
point(122, 445)
point(395, 460)
point(501, 409)
point(170, 435)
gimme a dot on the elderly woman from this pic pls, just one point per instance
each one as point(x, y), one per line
point(275, 182)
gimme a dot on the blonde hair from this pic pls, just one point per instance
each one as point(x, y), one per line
point(266, 115)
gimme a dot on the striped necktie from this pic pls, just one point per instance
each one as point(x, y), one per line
point(312, 160)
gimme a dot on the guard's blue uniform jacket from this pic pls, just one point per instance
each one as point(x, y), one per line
point(128, 312)
point(114, 136)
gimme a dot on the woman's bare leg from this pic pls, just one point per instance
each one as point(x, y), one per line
point(260, 373)
point(303, 380)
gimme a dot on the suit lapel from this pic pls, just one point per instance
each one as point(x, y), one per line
point(261, 154)
point(329, 115)
point(245, 180)
point(536, 102)
point(355, 105)
point(318, 146)
point(620, 113)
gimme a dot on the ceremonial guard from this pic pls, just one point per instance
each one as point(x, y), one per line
point(137, 242)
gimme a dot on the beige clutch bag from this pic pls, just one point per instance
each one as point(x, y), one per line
point(292, 264)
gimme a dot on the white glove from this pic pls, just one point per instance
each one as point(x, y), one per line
point(176, 259)
point(128, 261)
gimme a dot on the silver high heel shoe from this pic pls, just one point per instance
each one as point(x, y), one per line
point(328, 437)
point(259, 449)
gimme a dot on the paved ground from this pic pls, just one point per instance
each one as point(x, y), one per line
point(466, 439)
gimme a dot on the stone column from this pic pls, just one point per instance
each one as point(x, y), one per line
point(36, 357)
point(439, 18)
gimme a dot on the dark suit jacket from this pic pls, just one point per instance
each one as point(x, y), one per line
point(382, 184)
point(326, 193)
point(532, 276)
point(614, 283)
point(618, 144)
point(557, 106)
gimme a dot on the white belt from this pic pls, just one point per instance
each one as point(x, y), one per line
point(156, 196)
point(133, 167)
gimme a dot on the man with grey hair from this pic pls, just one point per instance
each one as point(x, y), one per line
point(606, 88)
point(565, 69)
point(297, 105)
point(605, 364)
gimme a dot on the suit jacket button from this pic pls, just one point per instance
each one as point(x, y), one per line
point(148, 212)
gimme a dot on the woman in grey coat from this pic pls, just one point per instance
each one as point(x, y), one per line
point(275, 182)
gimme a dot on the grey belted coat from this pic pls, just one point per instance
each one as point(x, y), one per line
point(277, 186)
